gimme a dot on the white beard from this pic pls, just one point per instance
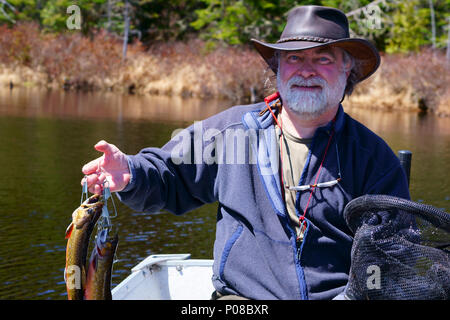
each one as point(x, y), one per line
point(311, 105)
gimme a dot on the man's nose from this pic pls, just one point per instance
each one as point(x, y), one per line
point(306, 70)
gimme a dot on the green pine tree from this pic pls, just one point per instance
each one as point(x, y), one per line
point(410, 30)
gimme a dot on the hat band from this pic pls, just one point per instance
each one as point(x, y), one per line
point(305, 38)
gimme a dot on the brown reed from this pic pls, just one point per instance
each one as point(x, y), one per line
point(69, 60)
point(417, 81)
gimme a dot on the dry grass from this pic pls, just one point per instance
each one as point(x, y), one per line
point(71, 61)
point(418, 82)
point(443, 108)
point(186, 69)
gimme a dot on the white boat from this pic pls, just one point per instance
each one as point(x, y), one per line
point(167, 277)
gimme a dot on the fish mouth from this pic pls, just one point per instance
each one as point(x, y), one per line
point(93, 202)
point(107, 245)
point(88, 211)
point(94, 199)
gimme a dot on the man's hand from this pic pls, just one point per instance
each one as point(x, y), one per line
point(112, 166)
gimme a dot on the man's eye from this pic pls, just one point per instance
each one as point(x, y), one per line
point(324, 60)
point(293, 58)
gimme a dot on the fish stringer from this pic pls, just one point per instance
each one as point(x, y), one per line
point(105, 222)
point(104, 225)
point(84, 191)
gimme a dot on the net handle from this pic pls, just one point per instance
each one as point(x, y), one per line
point(358, 206)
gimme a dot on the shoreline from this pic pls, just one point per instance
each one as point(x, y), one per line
point(380, 98)
point(417, 81)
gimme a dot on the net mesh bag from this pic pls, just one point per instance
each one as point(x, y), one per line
point(399, 250)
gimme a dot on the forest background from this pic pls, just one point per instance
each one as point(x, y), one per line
point(201, 48)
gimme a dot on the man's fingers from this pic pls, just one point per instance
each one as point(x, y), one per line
point(90, 179)
point(94, 182)
point(92, 166)
point(97, 170)
point(101, 146)
point(105, 147)
point(96, 189)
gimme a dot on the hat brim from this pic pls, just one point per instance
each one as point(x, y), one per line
point(362, 50)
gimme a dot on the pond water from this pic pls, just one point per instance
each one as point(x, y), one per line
point(46, 137)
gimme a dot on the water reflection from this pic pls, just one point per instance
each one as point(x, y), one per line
point(46, 137)
point(428, 138)
point(34, 102)
point(407, 122)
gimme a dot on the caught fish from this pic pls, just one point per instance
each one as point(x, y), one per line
point(78, 234)
point(98, 282)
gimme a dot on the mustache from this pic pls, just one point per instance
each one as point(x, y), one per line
point(310, 82)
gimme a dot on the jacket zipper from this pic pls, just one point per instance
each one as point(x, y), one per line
point(297, 246)
point(298, 243)
point(300, 273)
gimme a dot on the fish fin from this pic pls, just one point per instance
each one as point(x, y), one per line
point(93, 262)
point(69, 230)
point(90, 277)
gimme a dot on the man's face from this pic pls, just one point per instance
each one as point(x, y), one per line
point(312, 81)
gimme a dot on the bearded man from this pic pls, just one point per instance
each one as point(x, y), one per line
point(280, 230)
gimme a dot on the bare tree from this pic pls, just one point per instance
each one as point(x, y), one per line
point(126, 16)
point(433, 24)
point(448, 41)
point(10, 6)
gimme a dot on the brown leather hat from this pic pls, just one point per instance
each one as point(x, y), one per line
point(315, 26)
